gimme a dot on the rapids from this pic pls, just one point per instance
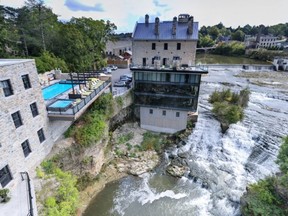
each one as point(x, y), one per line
point(220, 165)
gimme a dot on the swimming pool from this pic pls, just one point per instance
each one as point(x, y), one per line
point(60, 105)
point(54, 90)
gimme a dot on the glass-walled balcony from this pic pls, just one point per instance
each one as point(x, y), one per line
point(167, 77)
point(161, 101)
point(172, 89)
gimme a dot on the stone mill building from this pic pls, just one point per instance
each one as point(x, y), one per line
point(166, 80)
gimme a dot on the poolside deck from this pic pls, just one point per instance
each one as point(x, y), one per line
point(80, 105)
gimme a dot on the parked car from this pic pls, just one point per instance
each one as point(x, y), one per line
point(120, 84)
point(107, 70)
point(126, 76)
point(125, 79)
point(113, 67)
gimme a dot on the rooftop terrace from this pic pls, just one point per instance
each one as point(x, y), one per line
point(189, 69)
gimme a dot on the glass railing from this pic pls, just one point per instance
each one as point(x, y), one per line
point(79, 106)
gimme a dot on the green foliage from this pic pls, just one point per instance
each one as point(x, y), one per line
point(48, 166)
point(282, 159)
point(92, 131)
point(65, 201)
point(85, 180)
point(206, 41)
point(129, 146)
point(125, 137)
point(48, 61)
point(151, 141)
point(264, 55)
point(39, 173)
point(238, 35)
point(263, 200)
point(228, 106)
point(91, 127)
point(269, 196)
point(230, 49)
point(120, 101)
point(4, 195)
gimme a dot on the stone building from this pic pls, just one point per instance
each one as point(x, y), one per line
point(26, 133)
point(166, 82)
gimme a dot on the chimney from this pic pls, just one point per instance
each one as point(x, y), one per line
point(174, 26)
point(146, 19)
point(190, 25)
point(156, 29)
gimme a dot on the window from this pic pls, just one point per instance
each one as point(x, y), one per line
point(5, 176)
point(26, 148)
point(34, 109)
point(178, 46)
point(165, 46)
point(7, 89)
point(17, 119)
point(151, 111)
point(164, 112)
point(177, 114)
point(153, 46)
point(26, 81)
point(41, 135)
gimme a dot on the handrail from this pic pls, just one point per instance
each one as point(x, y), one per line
point(30, 213)
point(75, 109)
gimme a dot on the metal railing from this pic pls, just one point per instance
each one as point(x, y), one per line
point(76, 108)
point(30, 212)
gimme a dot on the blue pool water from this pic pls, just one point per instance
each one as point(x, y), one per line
point(61, 103)
point(54, 90)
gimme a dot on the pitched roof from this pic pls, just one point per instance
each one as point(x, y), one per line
point(146, 32)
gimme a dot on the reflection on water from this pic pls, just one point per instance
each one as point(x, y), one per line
point(219, 59)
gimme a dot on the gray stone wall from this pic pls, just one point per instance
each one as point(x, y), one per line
point(143, 49)
point(11, 137)
point(158, 122)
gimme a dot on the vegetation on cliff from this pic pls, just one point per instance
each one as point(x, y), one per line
point(89, 129)
point(59, 194)
point(269, 196)
point(229, 106)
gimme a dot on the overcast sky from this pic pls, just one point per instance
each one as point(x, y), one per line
point(125, 13)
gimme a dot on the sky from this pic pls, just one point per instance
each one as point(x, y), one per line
point(125, 13)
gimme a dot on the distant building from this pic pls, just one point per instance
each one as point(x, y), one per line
point(267, 41)
point(281, 63)
point(250, 41)
point(166, 82)
point(118, 48)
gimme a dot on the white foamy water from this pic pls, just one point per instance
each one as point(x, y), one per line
point(220, 165)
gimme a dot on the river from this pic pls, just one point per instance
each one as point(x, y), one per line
point(206, 58)
point(220, 165)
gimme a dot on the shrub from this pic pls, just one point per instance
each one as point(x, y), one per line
point(125, 137)
point(151, 141)
point(228, 106)
point(39, 173)
point(91, 127)
point(65, 201)
point(4, 195)
point(282, 159)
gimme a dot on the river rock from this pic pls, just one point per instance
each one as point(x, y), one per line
point(176, 171)
point(147, 161)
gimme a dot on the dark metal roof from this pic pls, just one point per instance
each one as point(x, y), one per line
point(146, 32)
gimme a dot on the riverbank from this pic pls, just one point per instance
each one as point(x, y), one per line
point(128, 157)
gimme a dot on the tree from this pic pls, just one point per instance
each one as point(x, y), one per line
point(206, 41)
point(282, 158)
point(213, 32)
point(238, 35)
